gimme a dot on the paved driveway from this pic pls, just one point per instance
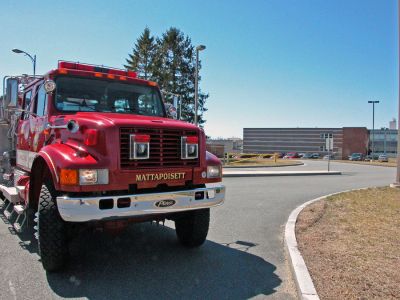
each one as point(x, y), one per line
point(242, 258)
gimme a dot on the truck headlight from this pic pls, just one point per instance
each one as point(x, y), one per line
point(214, 172)
point(139, 146)
point(96, 176)
point(189, 147)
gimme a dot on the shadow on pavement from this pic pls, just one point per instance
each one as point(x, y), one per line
point(146, 262)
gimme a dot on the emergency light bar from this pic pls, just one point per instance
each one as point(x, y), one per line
point(94, 68)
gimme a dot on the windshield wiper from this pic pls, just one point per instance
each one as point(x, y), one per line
point(83, 104)
point(126, 109)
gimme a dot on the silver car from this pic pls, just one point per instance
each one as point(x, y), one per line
point(383, 158)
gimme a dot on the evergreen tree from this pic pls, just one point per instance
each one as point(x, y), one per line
point(172, 66)
point(141, 59)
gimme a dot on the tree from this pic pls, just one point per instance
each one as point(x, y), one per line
point(141, 59)
point(173, 67)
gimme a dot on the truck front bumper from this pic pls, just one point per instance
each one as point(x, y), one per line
point(83, 209)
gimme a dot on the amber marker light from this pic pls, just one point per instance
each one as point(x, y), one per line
point(69, 177)
point(98, 74)
point(62, 71)
point(152, 83)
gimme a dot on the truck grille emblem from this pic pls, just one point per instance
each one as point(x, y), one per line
point(165, 203)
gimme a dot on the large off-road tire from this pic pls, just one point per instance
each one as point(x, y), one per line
point(192, 227)
point(53, 246)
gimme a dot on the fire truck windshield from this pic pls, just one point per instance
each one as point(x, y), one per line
point(83, 94)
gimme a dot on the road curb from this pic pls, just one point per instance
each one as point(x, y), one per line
point(269, 173)
point(267, 166)
point(305, 286)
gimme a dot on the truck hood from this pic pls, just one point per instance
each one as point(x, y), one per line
point(122, 120)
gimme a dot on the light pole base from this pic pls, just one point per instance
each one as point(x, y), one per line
point(395, 185)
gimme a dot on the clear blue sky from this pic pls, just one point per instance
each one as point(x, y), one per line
point(278, 63)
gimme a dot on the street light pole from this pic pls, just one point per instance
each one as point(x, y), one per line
point(397, 183)
point(33, 58)
point(384, 139)
point(373, 126)
point(196, 82)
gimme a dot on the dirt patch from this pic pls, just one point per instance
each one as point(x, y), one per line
point(351, 244)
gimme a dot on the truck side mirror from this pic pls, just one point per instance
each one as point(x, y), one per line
point(171, 111)
point(11, 93)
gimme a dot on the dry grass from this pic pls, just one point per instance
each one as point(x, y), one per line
point(251, 162)
point(351, 244)
point(391, 163)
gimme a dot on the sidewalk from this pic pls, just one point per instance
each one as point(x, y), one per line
point(255, 173)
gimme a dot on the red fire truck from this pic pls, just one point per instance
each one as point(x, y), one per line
point(96, 146)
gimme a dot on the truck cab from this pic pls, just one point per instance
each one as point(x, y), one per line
point(95, 146)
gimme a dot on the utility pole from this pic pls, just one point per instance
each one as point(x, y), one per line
point(373, 126)
point(397, 183)
point(196, 82)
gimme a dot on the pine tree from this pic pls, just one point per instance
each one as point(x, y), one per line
point(174, 70)
point(169, 61)
point(141, 59)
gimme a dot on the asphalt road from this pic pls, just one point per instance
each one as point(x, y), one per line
point(243, 257)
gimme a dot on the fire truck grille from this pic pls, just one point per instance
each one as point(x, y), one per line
point(165, 149)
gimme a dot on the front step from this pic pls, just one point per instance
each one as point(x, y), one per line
point(19, 209)
point(10, 193)
point(21, 212)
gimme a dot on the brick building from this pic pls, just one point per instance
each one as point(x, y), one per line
point(346, 140)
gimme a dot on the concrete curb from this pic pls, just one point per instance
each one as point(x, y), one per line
point(275, 173)
point(302, 278)
point(258, 166)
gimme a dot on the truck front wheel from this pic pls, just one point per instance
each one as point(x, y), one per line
point(192, 227)
point(51, 229)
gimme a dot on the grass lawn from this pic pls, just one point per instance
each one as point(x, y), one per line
point(351, 244)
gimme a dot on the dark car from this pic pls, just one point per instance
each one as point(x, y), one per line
point(315, 155)
point(307, 155)
point(279, 154)
point(356, 157)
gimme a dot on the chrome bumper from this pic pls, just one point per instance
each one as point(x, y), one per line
point(109, 207)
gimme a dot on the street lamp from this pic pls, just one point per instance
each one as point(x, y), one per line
point(397, 183)
point(196, 82)
point(373, 126)
point(33, 59)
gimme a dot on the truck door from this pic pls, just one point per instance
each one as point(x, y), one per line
point(23, 131)
point(31, 136)
point(39, 119)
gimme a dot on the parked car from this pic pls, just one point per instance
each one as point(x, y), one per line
point(383, 158)
point(301, 155)
point(307, 155)
point(315, 156)
point(356, 157)
point(369, 157)
point(328, 156)
point(291, 155)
